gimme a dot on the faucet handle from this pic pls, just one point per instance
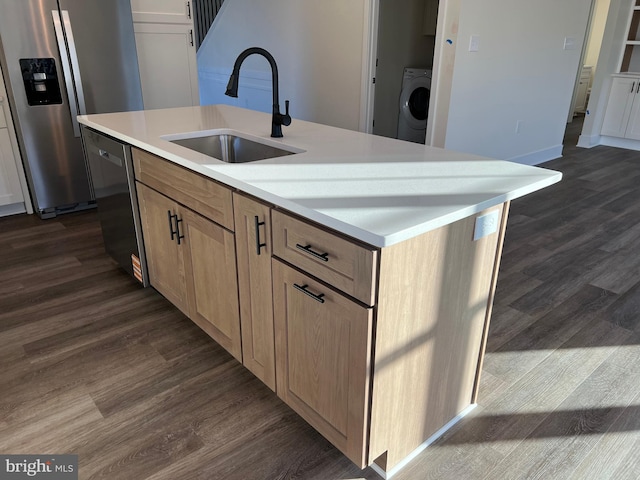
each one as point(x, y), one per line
point(286, 119)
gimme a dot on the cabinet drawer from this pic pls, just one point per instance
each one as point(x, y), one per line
point(207, 197)
point(344, 264)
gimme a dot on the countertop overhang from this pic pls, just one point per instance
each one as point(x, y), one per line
point(379, 190)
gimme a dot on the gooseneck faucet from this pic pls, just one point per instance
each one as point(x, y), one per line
point(278, 119)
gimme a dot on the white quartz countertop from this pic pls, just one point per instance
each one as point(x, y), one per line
point(379, 190)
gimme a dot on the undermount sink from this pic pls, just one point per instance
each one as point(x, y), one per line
point(230, 147)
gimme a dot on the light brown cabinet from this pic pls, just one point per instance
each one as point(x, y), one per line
point(379, 390)
point(192, 260)
point(165, 259)
point(341, 262)
point(212, 285)
point(253, 250)
point(323, 350)
point(377, 348)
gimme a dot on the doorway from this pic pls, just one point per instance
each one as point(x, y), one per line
point(590, 54)
point(406, 39)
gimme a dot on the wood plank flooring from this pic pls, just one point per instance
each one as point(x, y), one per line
point(94, 365)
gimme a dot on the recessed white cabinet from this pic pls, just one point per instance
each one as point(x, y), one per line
point(622, 116)
point(582, 94)
point(166, 53)
point(10, 190)
point(167, 61)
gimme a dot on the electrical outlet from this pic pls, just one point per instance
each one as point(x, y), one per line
point(486, 225)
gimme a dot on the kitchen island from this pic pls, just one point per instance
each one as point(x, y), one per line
point(353, 276)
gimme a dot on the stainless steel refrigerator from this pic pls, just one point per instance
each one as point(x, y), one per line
point(61, 58)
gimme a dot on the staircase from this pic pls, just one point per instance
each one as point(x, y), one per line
point(204, 12)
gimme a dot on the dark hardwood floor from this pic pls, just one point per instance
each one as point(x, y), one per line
point(94, 365)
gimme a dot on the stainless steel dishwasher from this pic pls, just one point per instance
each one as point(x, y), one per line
point(112, 177)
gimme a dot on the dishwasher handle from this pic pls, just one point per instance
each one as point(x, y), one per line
point(116, 160)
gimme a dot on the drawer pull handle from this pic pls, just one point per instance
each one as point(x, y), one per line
point(171, 217)
point(307, 248)
point(304, 290)
point(259, 245)
point(178, 222)
point(175, 234)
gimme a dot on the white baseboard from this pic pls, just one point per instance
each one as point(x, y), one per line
point(12, 209)
point(403, 463)
point(588, 141)
point(620, 142)
point(540, 156)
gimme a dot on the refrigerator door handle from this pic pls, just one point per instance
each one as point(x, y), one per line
point(75, 66)
point(66, 70)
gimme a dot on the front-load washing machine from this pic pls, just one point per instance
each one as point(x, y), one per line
point(414, 104)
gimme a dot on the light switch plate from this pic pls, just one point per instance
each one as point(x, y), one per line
point(474, 43)
point(569, 43)
point(486, 225)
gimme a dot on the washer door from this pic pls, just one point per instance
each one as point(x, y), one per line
point(414, 102)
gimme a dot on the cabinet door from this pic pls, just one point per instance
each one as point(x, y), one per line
point(618, 109)
point(212, 286)
point(10, 192)
point(253, 249)
point(165, 258)
point(161, 11)
point(323, 348)
point(633, 127)
point(167, 61)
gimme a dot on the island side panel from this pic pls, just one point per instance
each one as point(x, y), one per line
point(492, 293)
point(434, 294)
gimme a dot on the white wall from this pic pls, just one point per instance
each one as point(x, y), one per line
point(613, 39)
point(521, 73)
point(600, 12)
point(318, 46)
point(401, 43)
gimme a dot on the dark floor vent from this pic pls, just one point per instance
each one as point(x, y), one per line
point(204, 12)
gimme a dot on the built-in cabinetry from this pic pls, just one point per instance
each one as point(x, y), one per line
point(582, 92)
point(191, 256)
point(631, 55)
point(621, 121)
point(166, 52)
point(324, 337)
point(622, 116)
point(253, 250)
point(377, 348)
point(11, 198)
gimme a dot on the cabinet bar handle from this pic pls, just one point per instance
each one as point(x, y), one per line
point(307, 248)
point(178, 222)
point(633, 87)
point(171, 217)
point(303, 289)
point(259, 245)
point(638, 88)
